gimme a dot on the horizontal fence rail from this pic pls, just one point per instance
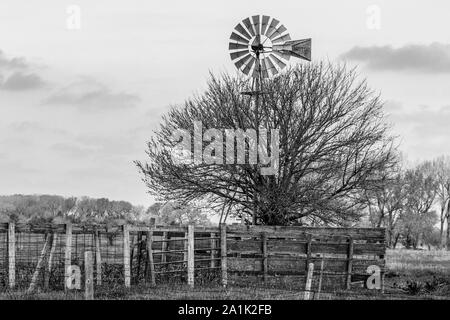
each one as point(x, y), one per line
point(43, 255)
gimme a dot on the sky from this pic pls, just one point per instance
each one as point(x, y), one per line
point(83, 84)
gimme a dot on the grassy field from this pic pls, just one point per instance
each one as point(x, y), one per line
point(419, 273)
point(411, 275)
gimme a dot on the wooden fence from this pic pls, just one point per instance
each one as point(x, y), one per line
point(40, 255)
point(340, 256)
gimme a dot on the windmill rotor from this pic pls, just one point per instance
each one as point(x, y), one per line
point(261, 47)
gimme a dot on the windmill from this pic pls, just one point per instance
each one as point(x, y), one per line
point(261, 47)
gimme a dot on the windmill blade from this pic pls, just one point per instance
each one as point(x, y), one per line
point(239, 28)
point(280, 63)
point(282, 39)
point(257, 40)
point(264, 24)
point(238, 38)
point(242, 61)
point(273, 70)
point(265, 74)
point(256, 25)
point(272, 27)
point(235, 46)
point(301, 48)
point(249, 26)
point(237, 54)
point(277, 32)
point(249, 66)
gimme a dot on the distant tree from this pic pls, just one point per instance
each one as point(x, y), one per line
point(177, 213)
point(386, 203)
point(333, 136)
point(441, 168)
point(119, 208)
point(101, 207)
point(417, 216)
point(85, 209)
point(137, 214)
point(432, 238)
point(57, 209)
point(69, 205)
point(153, 210)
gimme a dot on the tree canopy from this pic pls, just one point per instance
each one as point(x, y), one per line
point(334, 144)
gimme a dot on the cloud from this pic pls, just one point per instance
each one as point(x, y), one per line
point(34, 128)
point(392, 106)
point(72, 150)
point(13, 63)
point(88, 94)
point(433, 58)
point(19, 81)
point(424, 131)
point(120, 145)
point(19, 74)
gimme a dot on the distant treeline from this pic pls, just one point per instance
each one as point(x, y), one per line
point(57, 209)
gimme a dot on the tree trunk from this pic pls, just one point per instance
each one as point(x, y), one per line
point(448, 227)
point(441, 230)
point(396, 240)
point(389, 237)
point(390, 229)
point(448, 234)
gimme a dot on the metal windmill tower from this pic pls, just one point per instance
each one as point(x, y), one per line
point(260, 47)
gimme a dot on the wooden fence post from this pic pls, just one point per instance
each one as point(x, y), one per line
point(45, 249)
point(139, 255)
point(190, 255)
point(264, 253)
point(88, 276)
point(50, 261)
point(126, 256)
point(223, 253)
point(212, 243)
point(309, 281)
point(11, 255)
point(67, 254)
point(308, 251)
point(98, 258)
point(185, 246)
point(151, 265)
point(349, 262)
point(319, 286)
point(164, 247)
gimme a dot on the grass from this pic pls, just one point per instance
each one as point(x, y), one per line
point(411, 274)
point(418, 273)
point(418, 260)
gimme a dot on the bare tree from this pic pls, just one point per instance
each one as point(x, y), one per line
point(441, 168)
point(333, 144)
point(420, 192)
point(386, 203)
point(176, 213)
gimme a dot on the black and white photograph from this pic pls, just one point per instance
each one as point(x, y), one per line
point(223, 157)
